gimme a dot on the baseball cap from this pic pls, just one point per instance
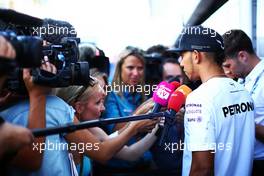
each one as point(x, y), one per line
point(199, 38)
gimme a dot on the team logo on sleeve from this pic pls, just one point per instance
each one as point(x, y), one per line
point(197, 119)
point(193, 108)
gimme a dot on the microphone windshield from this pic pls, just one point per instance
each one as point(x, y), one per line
point(184, 89)
point(178, 97)
point(162, 94)
point(175, 84)
point(176, 101)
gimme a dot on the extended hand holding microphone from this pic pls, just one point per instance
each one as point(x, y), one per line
point(67, 128)
point(161, 98)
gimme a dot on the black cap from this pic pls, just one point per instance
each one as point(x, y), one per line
point(199, 38)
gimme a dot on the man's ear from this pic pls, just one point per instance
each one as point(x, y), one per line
point(78, 107)
point(242, 57)
point(196, 57)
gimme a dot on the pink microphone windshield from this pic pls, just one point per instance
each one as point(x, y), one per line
point(163, 92)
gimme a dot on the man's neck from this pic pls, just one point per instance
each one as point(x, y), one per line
point(211, 71)
point(254, 60)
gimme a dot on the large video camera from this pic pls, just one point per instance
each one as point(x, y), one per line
point(153, 72)
point(155, 56)
point(65, 57)
point(62, 52)
point(95, 57)
point(69, 71)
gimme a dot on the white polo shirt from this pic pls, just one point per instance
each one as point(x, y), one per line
point(254, 83)
point(219, 116)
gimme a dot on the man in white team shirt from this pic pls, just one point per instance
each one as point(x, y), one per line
point(242, 62)
point(219, 117)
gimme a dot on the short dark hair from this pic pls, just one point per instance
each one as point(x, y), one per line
point(169, 60)
point(237, 40)
point(218, 57)
point(157, 49)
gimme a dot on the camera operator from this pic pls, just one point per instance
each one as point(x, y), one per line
point(12, 137)
point(27, 53)
point(35, 115)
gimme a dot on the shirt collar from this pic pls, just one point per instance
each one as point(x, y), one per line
point(257, 70)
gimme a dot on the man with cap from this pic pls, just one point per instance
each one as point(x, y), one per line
point(219, 116)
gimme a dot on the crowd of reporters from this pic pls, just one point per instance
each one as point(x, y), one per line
point(58, 92)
